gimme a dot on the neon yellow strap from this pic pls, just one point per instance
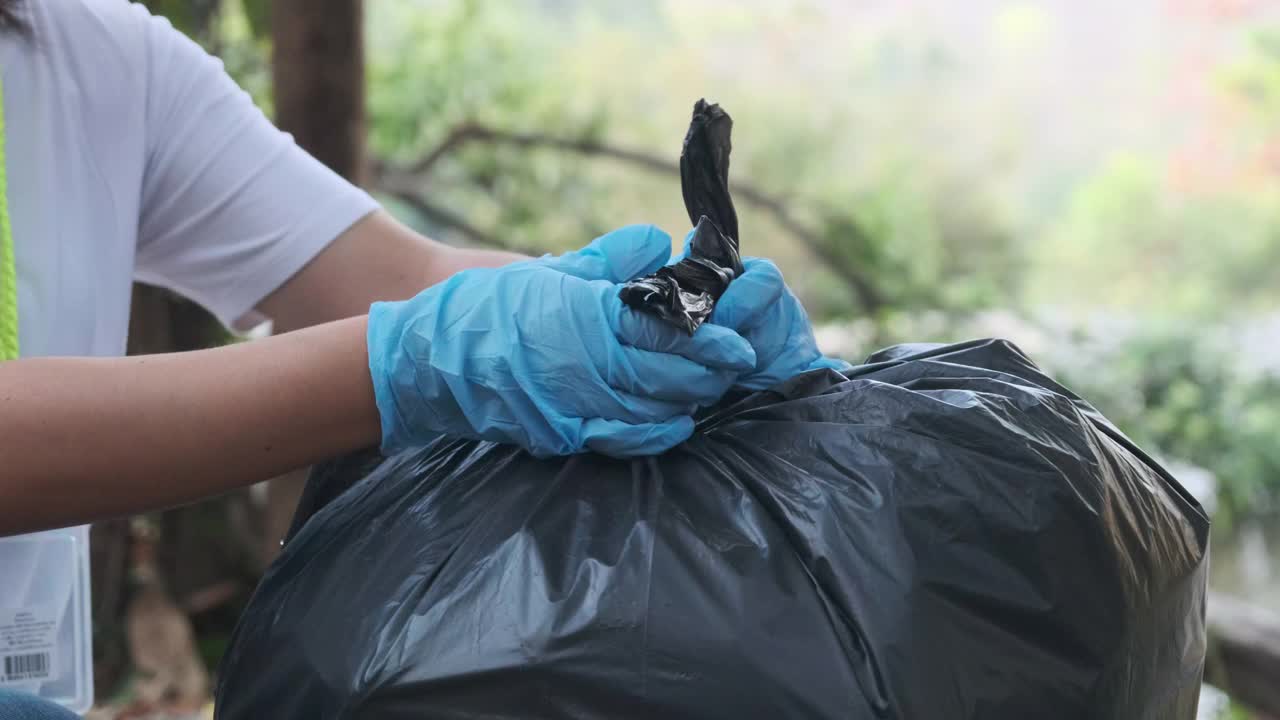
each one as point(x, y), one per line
point(8, 273)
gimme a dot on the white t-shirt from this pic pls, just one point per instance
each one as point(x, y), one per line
point(132, 155)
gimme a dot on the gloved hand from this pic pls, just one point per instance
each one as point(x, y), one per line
point(760, 307)
point(544, 354)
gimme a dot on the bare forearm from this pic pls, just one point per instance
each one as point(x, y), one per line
point(455, 260)
point(82, 439)
point(378, 258)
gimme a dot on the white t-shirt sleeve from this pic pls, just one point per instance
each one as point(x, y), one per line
point(231, 207)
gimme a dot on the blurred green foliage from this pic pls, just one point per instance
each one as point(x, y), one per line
point(194, 17)
point(1236, 712)
point(435, 67)
point(1130, 241)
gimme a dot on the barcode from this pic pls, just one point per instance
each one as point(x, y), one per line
point(26, 667)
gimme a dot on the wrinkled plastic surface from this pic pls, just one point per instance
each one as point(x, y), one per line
point(685, 294)
point(940, 534)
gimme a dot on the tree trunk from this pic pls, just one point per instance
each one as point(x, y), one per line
point(318, 74)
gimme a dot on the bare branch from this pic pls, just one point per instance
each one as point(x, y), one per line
point(456, 138)
point(861, 285)
point(412, 197)
point(398, 182)
point(581, 146)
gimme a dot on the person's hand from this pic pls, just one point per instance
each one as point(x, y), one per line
point(760, 307)
point(544, 354)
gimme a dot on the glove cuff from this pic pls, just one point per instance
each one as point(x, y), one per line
point(830, 363)
point(381, 340)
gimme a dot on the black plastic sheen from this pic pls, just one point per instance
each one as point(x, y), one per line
point(944, 534)
point(685, 294)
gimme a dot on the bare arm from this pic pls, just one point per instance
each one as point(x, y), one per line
point(83, 439)
point(89, 438)
point(376, 259)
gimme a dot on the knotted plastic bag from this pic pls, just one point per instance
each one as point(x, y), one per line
point(941, 533)
point(684, 294)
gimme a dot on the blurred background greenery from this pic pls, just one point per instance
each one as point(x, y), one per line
point(1099, 182)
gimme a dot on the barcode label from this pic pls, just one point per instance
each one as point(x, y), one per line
point(28, 645)
point(26, 667)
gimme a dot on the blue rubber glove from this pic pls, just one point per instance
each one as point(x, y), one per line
point(760, 307)
point(544, 354)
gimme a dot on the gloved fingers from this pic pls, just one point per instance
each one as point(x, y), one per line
point(750, 297)
point(618, 257)
point(830, 364)
point(665, 377)
point(622, 440)
point(646, 409)
point(712, 345)
point(577, 385)
point(623, 406)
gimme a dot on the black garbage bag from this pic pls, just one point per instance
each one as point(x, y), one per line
point(685, 294)
point(943, 533)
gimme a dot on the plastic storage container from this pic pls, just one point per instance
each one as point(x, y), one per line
point(45, 641)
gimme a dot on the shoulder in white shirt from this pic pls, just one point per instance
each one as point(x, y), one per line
point(132, 155)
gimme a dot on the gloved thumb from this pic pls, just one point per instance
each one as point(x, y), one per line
point(620, 256)
point(750, 296)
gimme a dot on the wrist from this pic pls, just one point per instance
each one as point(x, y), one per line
point(342, 405)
